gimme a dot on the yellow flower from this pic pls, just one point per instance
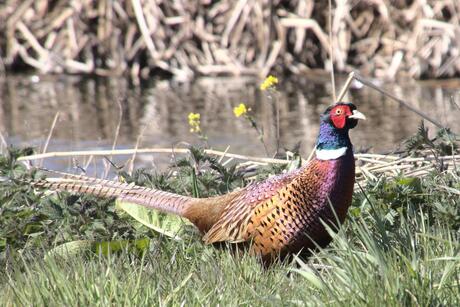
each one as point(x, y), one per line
point(240, 110)
point(194, 122)
point(192, 117)
point(269, 83)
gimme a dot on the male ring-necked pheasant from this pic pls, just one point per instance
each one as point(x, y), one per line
point(281, 215)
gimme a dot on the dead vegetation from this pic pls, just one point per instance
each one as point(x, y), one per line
point(383, 38)
point(369, 166)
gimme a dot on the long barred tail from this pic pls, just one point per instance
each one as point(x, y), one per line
point(160, 200)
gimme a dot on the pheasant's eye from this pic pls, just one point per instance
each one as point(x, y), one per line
point(338, 112)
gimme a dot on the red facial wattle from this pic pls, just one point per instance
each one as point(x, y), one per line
point(339, 121)
point(339, 116)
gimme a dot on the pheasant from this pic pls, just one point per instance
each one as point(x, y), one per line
point(279, 216)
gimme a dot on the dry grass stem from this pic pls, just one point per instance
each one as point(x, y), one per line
point(331, 50)
point(117, 131)
point(345, 87)
point(369, 165)
point(400, 101)
point(133, 157)
point(50, 133)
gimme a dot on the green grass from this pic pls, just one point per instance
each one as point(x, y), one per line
point(399, 246)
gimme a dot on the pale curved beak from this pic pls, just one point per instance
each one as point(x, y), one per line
point(357, 115)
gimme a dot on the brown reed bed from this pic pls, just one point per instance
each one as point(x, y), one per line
point(187, 38)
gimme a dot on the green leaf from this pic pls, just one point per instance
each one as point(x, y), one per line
point(108, 247)
point(310, 275)
point(406, 180)
point(70, 248)
point(167, 225)
point(195, 189)
point(105, 247)
point(2, 243)
point(355, 212)
point(32, 228)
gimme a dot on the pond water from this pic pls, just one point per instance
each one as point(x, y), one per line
point(90, 109)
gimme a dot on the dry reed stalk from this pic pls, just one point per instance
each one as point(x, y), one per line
point(367, 169)
point(133, 157)
point(3, 143)
point(144, 151)
point(366, 82)
point(345, 87)
point(88, 162)
point(331, 51)
point(223, 154)
point(50, 133)
point(117, 132)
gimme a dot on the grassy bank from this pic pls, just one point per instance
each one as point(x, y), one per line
point(399, 245)
point(188, 38)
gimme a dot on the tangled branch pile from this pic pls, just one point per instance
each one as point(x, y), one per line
point(188, 38)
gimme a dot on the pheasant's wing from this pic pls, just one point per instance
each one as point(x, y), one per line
point(232, 225)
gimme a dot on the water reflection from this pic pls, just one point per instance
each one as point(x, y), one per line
point(89, 112)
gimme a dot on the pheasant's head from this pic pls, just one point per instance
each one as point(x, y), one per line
point(336, 121)
point(342, 115)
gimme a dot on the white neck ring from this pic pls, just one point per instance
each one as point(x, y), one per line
point(330, 154)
